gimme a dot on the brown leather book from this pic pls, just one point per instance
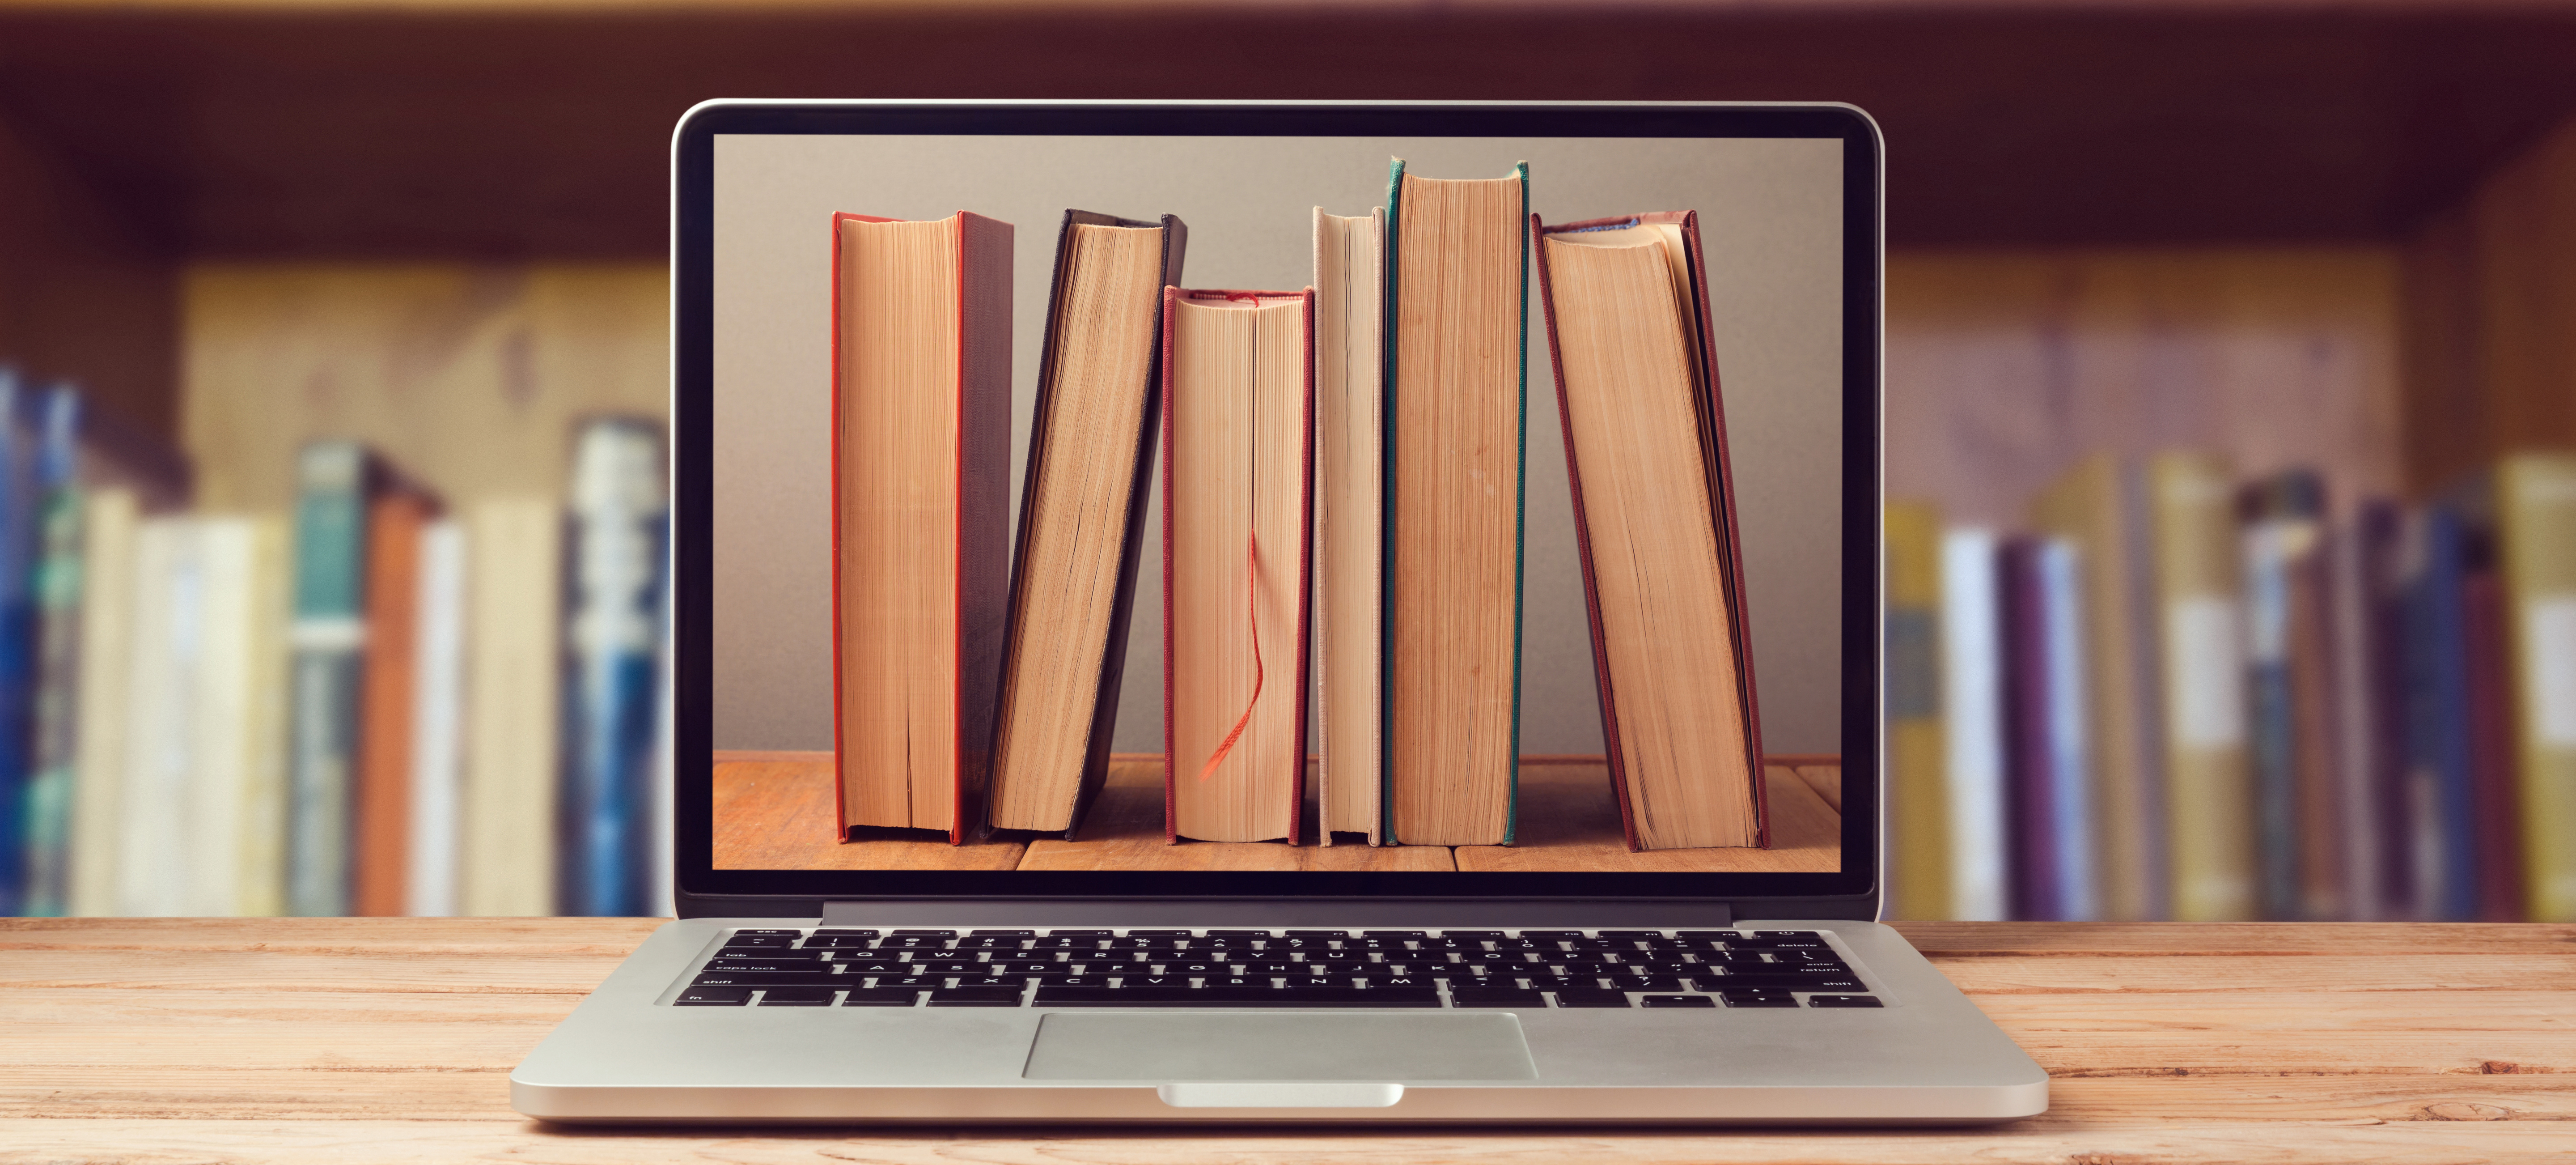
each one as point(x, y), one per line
point(1684, 740)
point(1091, 449)
point(1238, 552)
point(395, 517)
point(921, 428)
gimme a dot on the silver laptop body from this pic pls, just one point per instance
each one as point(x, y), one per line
point(1877, 1036)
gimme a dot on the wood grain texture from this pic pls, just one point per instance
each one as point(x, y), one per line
point(2004, 368)
point(298, 1040)
point(1125, 832)
point(1827, 781)
point(777, 815)
point(1568, 821)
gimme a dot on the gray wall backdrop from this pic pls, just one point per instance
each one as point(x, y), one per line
point(1770, 211)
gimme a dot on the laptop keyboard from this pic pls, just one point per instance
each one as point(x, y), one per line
point(1275, 968)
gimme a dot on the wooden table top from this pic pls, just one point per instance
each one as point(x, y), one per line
point(773, 811)
point(392, 1040)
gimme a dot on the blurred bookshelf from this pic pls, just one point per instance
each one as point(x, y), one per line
point(2265, 243)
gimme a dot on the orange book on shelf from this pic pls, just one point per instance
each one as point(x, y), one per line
point(395, 518)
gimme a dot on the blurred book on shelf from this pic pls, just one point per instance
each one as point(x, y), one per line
point(241, 713)
point(2229, 698)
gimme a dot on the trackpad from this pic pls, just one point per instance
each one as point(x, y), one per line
point(1181, 1046)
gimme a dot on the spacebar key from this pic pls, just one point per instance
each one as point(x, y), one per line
point(1054, 996)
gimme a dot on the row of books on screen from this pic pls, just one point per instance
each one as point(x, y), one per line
point(1343, 459)
point(379, 705)
point(2183, 695)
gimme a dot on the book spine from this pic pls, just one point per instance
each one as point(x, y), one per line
point(153, 838)
point(2494, 781)
point(382, 806)
point(329, 637)
point(1171, 744)
point(438, 720)
point(1973, 703)
point(2439, 761)
point(2030, 760)
point(2207, 806)
point(18, 507)
point(57, 593)
point(268, 598)
point(618, 515)
point(982, 567)
point(1918, 810)
point(2065, 709)
point(107, 605)
point(1388, 387)
point(228, 854)
point(513, 607)
point(2537, 546)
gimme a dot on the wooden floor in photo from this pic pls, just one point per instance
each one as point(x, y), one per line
point(773, 811)
point(329, 1040)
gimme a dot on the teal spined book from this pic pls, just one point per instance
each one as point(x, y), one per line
point(328, 636)
point(1457, 360)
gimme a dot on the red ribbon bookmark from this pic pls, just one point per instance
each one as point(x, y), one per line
point(1251, 580)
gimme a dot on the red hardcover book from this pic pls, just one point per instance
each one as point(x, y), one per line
point(921, 426)
point(381, 856)
point(1743, 754)
point(1238, 546)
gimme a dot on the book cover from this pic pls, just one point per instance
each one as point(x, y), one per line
point(1919, 832)
point(619, 514)
point(2496, 784)
point(1098, 687)
point(2369, 713)
point(1709, 418)
point(968, 652)
point(2536, 543)
point(1973, 699)
point(2054, 848)
point(18, 629)
point(109, 516)
point(1275, 586)
point(2440, 760)
point(1422, 609)
point(2297, 815)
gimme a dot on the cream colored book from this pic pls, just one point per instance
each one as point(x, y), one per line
point(107, 644)
point(2208, 803)
point(513, 664)
point(2536, 527)
point(1350, 520)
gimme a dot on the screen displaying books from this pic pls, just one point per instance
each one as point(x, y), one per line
point(1277, 503)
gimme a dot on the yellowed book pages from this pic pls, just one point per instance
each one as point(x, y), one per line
point(1919, 834)
point(1350, 510)
point(513, 652)
point(2208, 803)
point(1621, 301)
point(2098, 506)
point(106, 636)
point(1455, 437)
point(1238, 400)
point(2536, 524)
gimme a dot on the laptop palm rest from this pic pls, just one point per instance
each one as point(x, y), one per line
point(1279, 1059)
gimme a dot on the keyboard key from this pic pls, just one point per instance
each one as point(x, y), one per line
point(843, 932)
point(760, 979)
point(975, 997)
point(1078, 934)
point(1160, 934)
point(767, 966)
point(1579, 997)
point(881, 997)
point(1004, 982)
point(1554, 936)
point(1239, 934)
point(1322, 934)
point(948, 967)
point(1062, 942)
point(789, 933)
point(1649, 982)
point(1477, 935)
point(1757, 998)
point(1631, 934)
point(1001, 934)
point(1236, 997)
point(926, 933)
point(755, 941)
point(844, 942)
point(1843, 1001)
point(911, 942)
point(1495, 997)
point(712, 997)
point(1678, 1001)
point(874, 967)
point(796, 997)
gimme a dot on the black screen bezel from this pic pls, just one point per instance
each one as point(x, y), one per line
point(703, 890)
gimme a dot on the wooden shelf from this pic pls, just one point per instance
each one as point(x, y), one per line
point(464, 128)
point(775, 813)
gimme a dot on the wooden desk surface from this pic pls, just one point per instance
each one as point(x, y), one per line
point(392, 1040)
point(773, 811)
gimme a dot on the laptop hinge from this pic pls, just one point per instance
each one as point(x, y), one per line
point(878, 912)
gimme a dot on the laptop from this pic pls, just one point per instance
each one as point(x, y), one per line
point(1126, 968)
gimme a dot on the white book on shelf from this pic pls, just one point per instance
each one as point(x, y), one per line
point(514, 611)
point(152, 845)
point(438, 719)
point(231, 571)
point(1972, 685)
point(661, 900)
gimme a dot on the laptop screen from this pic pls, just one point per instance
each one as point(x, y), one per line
point(1312, 500)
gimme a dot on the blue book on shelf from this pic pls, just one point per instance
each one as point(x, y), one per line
point(54, 624)
point(615, 578)
point(2439, 744)
point(17, 631)
point(328, 636)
